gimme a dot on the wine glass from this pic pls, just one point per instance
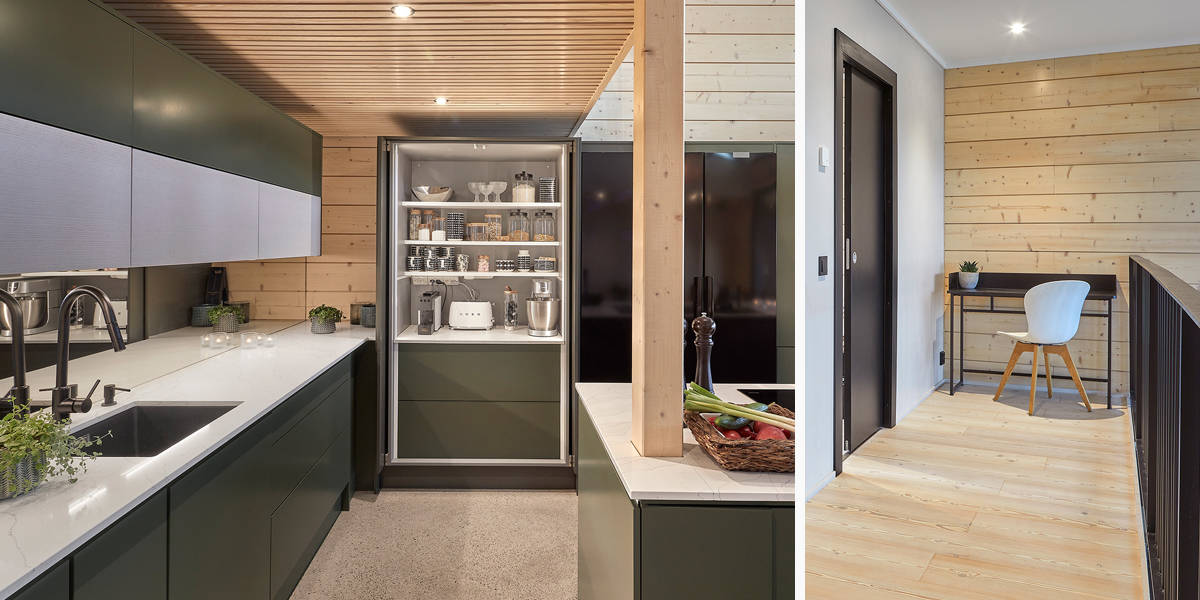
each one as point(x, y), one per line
point(485, 189)
point(498, 187)
point(473, 186)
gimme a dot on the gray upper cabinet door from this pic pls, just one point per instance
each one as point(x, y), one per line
point(65, 198)
point(67, 63)
point(185, 213)
point(289, 223)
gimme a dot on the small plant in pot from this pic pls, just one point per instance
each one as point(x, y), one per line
point(968, 274)
point(226, 318)
point(34, 447)
point(324, 318)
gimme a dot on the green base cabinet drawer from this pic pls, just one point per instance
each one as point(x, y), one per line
point(54, 584)
point(513, 430)
point(301, 522)
point(295, 452)
point(127, 561)
point(499, 373)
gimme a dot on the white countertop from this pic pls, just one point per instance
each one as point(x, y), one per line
point(495, 335)
point(86, 335)
point(694, 476)
point(42, 527)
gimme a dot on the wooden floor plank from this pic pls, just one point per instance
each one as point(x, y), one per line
point(994, 502)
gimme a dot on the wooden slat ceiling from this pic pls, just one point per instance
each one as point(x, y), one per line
point(350, 67)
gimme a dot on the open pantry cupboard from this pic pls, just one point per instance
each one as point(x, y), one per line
point(478, 396)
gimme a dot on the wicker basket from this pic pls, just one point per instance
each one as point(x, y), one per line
point(777, 456)
point(319, 326)
point(227, 324)
point(20, 478)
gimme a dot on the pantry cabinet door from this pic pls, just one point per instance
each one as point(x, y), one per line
point(54, 584)
point(677, 538)
point(185, 213)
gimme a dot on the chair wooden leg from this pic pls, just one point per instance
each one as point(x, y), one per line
point(1033, 381)
point(1049, 380)
point(1018, 350)
point(1066, 356)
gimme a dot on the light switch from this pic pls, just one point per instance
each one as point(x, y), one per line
point(822, 266)
point(822, 156)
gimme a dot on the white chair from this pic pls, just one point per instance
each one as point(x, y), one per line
point(1052, 313)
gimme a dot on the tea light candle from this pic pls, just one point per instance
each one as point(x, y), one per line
point(206, 340)
point(268, 341)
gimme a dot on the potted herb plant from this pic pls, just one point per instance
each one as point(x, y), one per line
point(324, 318)
point(226, 318)
point(34, 447)
point(968, 274)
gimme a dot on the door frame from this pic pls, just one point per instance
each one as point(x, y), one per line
point(847, 52)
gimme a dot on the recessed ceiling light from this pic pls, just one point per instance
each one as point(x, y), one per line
point(440, 100)
point(402, 11)
point(1016, 28)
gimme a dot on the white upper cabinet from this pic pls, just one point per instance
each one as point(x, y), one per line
point(64, 199)
point(289, 223)
point(185, 213)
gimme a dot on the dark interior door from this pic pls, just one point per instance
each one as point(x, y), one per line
point(694, 216)
point(739, 264)
point(606, 260)
point(866, 236)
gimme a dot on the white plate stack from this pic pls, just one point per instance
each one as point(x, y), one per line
point(547, 190)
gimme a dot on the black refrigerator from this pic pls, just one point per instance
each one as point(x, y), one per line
point(729, 263)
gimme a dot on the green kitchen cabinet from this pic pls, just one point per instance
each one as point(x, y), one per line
point(54, 584)
point(783, 525)
point(67, 63)
point(674, 539)
point(608, 527)
point(480, 373)
point(465, 430)
point(186, 111)
point(785, 262)
point(128, 560)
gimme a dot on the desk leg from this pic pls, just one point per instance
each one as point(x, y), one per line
point(1109, 376)
point(962, 344)
point(951, 344)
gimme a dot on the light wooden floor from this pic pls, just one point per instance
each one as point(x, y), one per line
point(973, 499)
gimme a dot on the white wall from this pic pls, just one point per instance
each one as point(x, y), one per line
point(739, 64)
point(920, 146)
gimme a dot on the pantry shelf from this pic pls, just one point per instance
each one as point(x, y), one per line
point(480, 274)
point(470, 243)
point(481, 205)
point(495, 335)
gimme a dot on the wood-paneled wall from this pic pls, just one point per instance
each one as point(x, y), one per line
point(345, 270)
point(1069, 165)
point(739, 82)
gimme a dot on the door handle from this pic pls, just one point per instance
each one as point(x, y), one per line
point(708, 295)
point(697, 299)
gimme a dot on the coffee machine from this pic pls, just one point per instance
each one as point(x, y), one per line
point(543, 309)
point(39, 300)
point(429, 312)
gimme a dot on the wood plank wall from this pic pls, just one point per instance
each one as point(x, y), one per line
point(739, 81)
point(345, 271)
point(1069, 165)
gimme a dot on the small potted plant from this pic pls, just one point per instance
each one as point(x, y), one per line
point(968, 274)
point(324, 318)
point(34, 447)
point(226, 318)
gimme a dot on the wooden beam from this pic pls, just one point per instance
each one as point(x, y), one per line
point(658, 227)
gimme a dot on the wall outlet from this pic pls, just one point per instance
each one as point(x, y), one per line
point(942, 357)
point(822, 266)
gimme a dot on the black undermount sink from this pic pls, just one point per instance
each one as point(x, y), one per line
point(146, 430)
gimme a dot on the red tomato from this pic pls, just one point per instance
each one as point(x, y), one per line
point(731, 434)
point(712, 419)
point(770, 432)
point(746, 431)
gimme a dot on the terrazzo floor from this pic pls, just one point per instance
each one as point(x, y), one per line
point(448, 545)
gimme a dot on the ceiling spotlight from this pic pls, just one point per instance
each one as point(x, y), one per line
point(402, 11)
point(1017, 28)
point(440, 100)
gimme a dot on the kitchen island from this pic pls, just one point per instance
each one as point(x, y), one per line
point(654, 527)
point(108, 516)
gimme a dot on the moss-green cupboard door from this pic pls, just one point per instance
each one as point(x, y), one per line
point(67, 63)
point(683, 547)
point(54, 584)
point(127, 561)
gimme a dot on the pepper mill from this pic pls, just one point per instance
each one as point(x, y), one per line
point(704, 326)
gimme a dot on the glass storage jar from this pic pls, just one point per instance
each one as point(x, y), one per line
point(483, 263)
point(543, 226)
point(518, 226)
point(545, 264)
point(414, 223)
point(427, 217)
point(477, 232)
point(494, 227)
point(510, 308)
point(523, 188)
point(439, 229)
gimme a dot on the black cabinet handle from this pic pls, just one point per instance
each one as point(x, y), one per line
point(709, 301)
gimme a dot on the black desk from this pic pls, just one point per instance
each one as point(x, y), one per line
point(1014, 285)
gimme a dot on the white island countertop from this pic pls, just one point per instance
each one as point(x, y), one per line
point(44, 526)
point(694, 476)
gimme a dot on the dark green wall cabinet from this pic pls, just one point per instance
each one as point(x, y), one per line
point(244, 523)
point(77, 65)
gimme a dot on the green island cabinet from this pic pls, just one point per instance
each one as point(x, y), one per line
point(663, 550)
point(80, 66)
point(507, 408)
point(243, 523)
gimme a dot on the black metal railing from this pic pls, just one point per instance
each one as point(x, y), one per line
point(1164, 365)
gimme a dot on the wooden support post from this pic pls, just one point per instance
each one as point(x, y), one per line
point(658, 227)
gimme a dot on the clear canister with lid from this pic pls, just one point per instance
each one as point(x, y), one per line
point(414, 223)
point(543, 226)
point(510, 308)
point(494, 227)
point(438, 228)
point(477, 232)
point(518, 226)
point(523, 187)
